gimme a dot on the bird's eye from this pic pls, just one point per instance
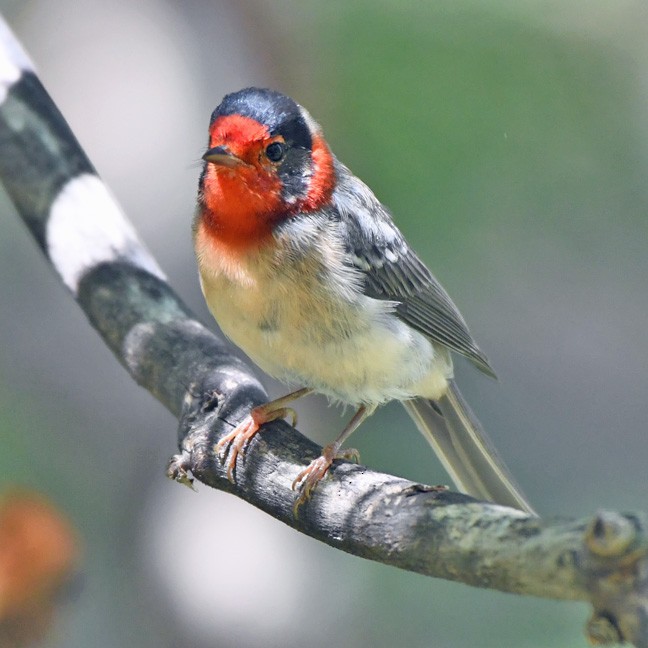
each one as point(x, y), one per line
point(275, 151)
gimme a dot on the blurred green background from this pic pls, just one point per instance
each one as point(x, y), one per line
point(510, 140)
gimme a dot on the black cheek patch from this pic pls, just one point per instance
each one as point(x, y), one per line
point(295, 132)
point(294, 173)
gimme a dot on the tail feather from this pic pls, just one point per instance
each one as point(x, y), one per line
point(465, 449)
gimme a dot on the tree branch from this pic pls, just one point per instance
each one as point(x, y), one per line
point(123, 292)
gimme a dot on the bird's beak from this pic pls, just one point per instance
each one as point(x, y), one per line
point(222, 156)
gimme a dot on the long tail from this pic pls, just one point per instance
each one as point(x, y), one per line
point(465, 450)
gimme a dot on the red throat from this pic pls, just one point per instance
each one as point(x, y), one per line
point(240, 204)
point(240, 208)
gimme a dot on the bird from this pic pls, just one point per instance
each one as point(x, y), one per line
point(304, 269)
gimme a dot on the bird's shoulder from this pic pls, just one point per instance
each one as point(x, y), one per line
point(391, 269)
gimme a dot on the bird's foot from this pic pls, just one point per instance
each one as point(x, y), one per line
point(308, 478)
point(235, 443)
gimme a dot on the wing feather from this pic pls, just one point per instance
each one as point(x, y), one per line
point(392, 271)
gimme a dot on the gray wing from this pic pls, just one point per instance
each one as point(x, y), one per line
point(392, 270)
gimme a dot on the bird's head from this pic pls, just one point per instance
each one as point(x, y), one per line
point(266, 161)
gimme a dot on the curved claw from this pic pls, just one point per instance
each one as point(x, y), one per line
point(307, 480)
point(350, 454)
point(235, 443)
point(290, 412)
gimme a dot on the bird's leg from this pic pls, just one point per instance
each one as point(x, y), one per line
point(235, 443)
point(308, 478)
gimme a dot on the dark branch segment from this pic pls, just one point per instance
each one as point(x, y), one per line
point(156, 338)
point(39, 152)
point(431, 531)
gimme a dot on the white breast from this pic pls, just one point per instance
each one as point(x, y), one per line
point(299, 314)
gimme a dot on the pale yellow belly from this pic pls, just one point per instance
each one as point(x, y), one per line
point(354, 352)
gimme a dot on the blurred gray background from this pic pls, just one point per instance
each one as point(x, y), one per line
point(509, 138)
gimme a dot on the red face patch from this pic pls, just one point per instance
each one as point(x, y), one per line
point(241, 135)
point(242, 202)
